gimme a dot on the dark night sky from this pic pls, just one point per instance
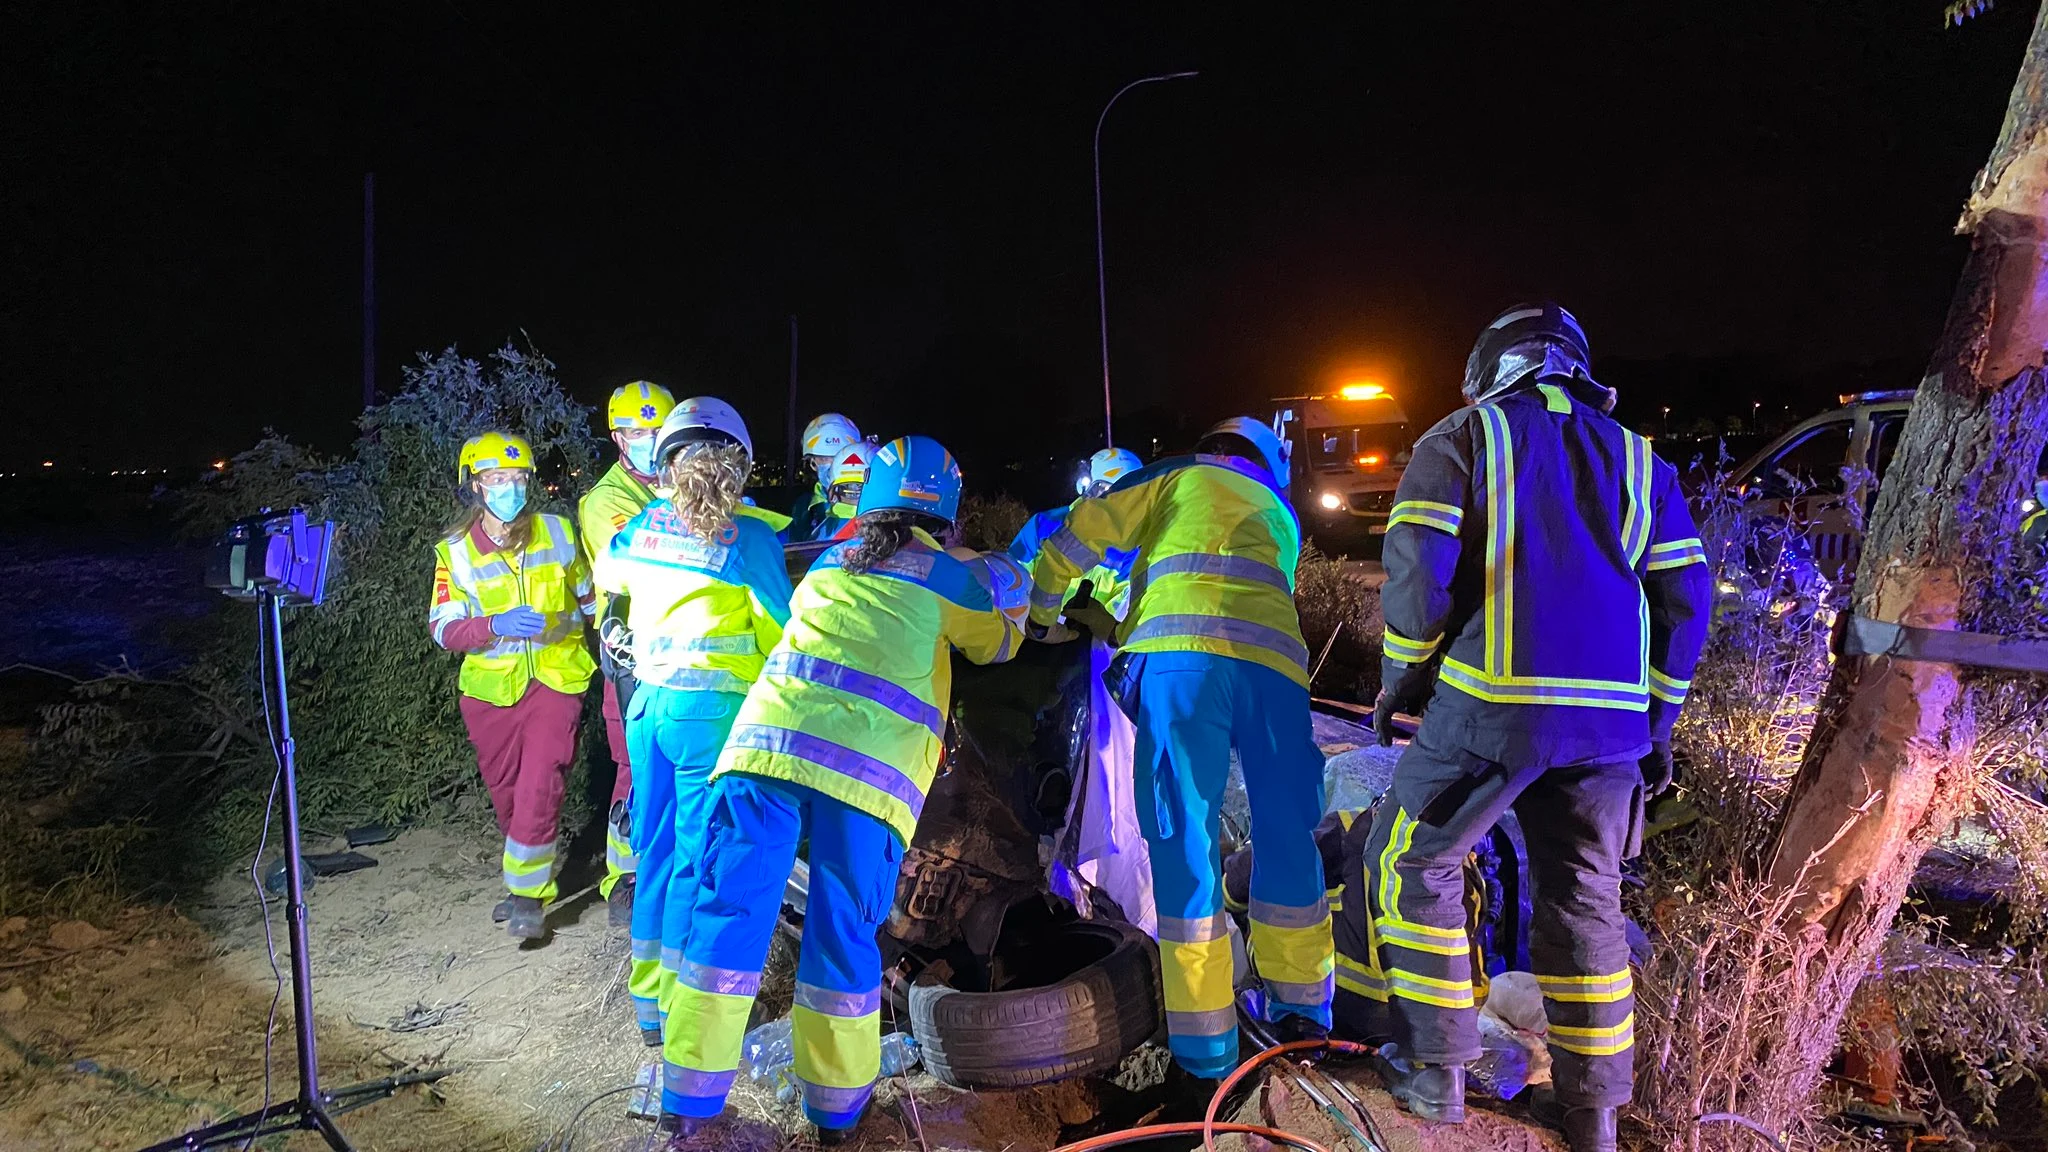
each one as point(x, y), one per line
point(649, 192)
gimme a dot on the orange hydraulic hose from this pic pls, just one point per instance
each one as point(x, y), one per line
point(1209, 1126)
point(1190, 1128)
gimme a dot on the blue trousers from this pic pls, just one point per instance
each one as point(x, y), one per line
point(755, 826)
point(1191, 709)
point(673, 738)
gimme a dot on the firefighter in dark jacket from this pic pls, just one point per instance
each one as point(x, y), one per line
point(1547, 596)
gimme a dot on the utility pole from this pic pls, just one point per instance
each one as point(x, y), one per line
point(369, 289)
point(1101, 275)
point(789, 456)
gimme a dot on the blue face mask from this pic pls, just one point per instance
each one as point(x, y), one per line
point(505, 501)
point(640, 455)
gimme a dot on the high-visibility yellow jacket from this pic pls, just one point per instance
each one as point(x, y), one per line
point(853, 701)
point(1217, 545)
point(1109, 582)
point(474, 579)
point(617, 497)
point(704, 613)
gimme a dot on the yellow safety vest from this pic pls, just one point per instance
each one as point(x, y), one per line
point(1216, 547)
point(854, 699)
point(551, 577)
point(617, 497)
point(704, 613)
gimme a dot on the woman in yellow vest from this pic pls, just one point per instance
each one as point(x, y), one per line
point(837, 740)
point(512, 593)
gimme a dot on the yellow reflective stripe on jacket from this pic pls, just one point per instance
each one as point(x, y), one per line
point(1428, 513)
point(1409, 651)
point(704, 613)
point(1667, 689)
point(1677, 554)
point(1218, 550)
point(552, 578)
point(852, 701)
point(1495, 681)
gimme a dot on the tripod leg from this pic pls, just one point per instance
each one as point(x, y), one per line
point(319, 1121)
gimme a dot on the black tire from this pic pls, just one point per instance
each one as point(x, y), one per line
point(1079, 1024)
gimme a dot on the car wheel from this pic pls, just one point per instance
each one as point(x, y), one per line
point(1093, 1001)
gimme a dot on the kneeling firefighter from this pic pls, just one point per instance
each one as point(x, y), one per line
point(1547, 596)
point(1212, 659)
point(634, 414)
point(837, 742)
point(512, 592)
point(708, 597)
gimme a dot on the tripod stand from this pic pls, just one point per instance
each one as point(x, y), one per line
point(315, 1108)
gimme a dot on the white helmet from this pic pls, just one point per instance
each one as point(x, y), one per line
point(1105, 468)
point(850, 466)
point(1267, 442)
point(697, 420)
point(829, 434)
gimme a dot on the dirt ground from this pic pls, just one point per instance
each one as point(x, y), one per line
point(116, 1035)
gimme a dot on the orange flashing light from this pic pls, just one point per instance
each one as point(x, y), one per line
point(1370, 460)
point(1363, 392)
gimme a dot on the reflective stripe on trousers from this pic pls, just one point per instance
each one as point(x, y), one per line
point(1576, 820)
point(1190, 709)
point(753, 829)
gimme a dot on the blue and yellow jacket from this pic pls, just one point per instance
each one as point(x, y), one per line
point(1543, 571)
point(1109, 581)
point(704, 613)
point(1215, 547)
point(853, 701)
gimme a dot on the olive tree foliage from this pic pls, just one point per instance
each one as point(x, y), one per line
point(373, 699)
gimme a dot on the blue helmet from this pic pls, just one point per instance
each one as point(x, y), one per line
point(915, 473)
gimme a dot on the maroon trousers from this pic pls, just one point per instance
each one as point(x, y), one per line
point(524, 752)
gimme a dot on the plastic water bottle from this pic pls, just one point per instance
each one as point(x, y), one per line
point(899, 1053)
point(769, 1056)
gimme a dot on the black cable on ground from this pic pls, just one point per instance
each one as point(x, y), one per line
point(567, 1136)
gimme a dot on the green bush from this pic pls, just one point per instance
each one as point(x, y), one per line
point(373, 698)
point(1340, 620)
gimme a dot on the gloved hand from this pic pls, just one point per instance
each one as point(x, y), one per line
point(1053, 633)
point(1657, 769)
point(1383, 710)
point(1092, 617)
point(520, 623)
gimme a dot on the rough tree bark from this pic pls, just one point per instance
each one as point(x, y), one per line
point(1892, 753)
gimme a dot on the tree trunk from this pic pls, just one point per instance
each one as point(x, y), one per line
point(1892, 755)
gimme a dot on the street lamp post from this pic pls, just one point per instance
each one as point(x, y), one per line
point(1101, 277)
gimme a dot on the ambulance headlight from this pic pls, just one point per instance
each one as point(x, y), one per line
point(1330, 501)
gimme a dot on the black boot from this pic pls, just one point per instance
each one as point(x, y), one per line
point(1292, 1027)
point(501, 911)
point(618, 907)
point(650, 1035)
point(527, 921)
point(679, 1129)
point(1434, 1092)
point(1586, 1129)
point(833, 1137)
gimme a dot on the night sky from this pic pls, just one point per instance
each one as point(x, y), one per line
point(1734, 198)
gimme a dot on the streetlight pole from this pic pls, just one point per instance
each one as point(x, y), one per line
point(1101, 276)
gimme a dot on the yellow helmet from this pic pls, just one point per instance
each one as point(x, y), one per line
point(494, 450)
point(639, 405)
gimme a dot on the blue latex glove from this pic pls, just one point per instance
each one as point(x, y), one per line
point(518, 623)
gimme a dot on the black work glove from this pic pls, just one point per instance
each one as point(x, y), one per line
point(1657, 769)
point(1383, 710)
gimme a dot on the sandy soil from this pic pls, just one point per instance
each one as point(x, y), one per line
point(119, 1034)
